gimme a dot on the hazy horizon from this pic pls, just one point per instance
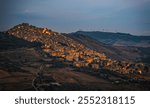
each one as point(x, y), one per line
point(130, 16)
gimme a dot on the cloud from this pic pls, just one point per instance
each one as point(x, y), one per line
point(67, 15)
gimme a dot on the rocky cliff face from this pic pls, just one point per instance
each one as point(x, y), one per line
point(72, 52)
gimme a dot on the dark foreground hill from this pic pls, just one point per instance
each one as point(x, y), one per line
point(34, 58)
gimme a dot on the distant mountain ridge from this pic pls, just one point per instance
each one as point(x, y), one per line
point(117, 39)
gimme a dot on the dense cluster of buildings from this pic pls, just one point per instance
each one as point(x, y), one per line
point(79, 56)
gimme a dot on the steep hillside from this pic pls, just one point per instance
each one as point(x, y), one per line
point(59, 45)
point(8, 42)
point(19, 60)
point(46, 60)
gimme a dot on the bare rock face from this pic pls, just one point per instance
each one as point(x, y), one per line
point(59, 45)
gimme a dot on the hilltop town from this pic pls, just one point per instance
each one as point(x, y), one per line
point(55, 61)
point(66, 49)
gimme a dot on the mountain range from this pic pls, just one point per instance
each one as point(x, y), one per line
point(117, 39)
